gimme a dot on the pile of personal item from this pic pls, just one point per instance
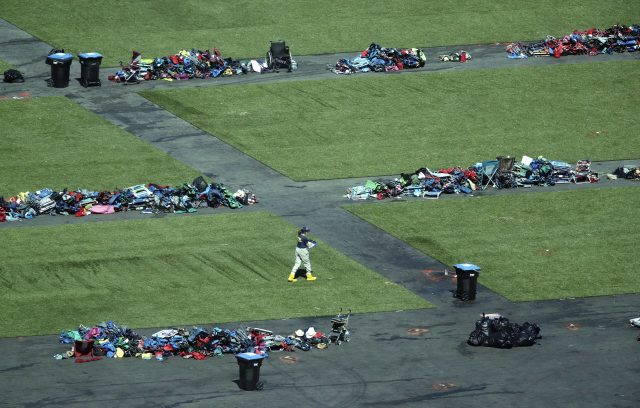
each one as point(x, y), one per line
point(148, 198)
point(494, 330)
point(111, 340)
point(625, 172)
point(186, 64)
point(381, 59)
point(503, 172)
point(421, 183)
point(458, 56)
point(618, 38)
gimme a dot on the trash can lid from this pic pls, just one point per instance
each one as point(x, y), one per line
point(60, 56)
point(250, 356)
point(467, 267)
point(90, 55)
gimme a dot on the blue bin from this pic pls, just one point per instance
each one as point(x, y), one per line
point(249, 364)
point(60, 64)
point(467, 281)
point(90, 68)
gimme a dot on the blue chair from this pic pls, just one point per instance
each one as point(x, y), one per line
point(486, 172)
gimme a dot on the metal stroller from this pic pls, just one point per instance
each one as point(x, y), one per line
point(340, 328)
point(279, 56)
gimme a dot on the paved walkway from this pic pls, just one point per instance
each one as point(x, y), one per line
point(384, 365)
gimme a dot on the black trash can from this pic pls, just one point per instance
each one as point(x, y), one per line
point(90, 68)
point(467, 278)
point(249, 364)
point(60, 64)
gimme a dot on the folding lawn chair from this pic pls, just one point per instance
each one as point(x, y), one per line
point(486, 173)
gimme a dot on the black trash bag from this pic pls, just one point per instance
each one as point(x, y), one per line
point(499, 339)
point(500, 333)
point(528, 334)
point(477, 338)
point(13, 75)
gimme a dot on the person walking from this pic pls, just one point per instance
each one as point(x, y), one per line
point(302, 255)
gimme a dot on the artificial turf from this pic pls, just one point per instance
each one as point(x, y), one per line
point(176, 271)
point(529, 246)
point(52, 142)
point(387, 124)
point(243, 29)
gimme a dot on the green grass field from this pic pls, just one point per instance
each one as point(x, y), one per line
point(529, 246)
point(387, 124)
point(52, 142)
point(4, 66)
point(243, 29)
point(176, 271)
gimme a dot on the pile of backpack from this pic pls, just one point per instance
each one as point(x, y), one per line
point(110, 340)
point(421, 183)
point(618, 38)
point(456, 180)
point(543, 172)
point(148, 198)
point(186, 64)
point(498, 332)
point(381, 59)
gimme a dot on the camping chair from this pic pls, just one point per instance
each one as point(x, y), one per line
point(83, 351)
point(279, 56)
point(504, 176)
point(486, 172)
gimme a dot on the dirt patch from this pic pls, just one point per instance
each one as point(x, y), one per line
point(438, 276)
point(289, 359)
point(417, 331)
point(443, 386)
point(594, 134)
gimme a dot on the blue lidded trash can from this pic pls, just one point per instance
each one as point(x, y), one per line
point(249, 364)
point(60, 63)
point(467, 278)
point(90, 68)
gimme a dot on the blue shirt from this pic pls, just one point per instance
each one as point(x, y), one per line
point(303, 241)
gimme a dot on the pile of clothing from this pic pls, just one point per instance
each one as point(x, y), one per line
point(186, 64)
point(496, 331)
point(108, 339)
point(455, 180)
point(618, 38)
point(381, 59)
point(149, 198)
